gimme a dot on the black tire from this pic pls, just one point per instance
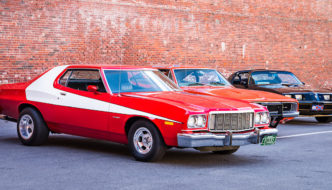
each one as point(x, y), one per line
point(225, 152)
point(158, 147)
point(36, 136)
point(324, 119)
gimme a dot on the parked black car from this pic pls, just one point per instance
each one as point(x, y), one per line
point(312, 102)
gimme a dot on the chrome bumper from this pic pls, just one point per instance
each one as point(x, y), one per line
point(228, 139)
point(293, 114)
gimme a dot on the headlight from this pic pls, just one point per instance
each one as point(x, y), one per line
point(298, 96)
point(196, 121)
point(265, 117)
point(262, 118)
point(258, 118)
point(327, 97)
point(288, 95)
point(191, 121)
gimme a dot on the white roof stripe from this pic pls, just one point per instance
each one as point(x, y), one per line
point(42, 90)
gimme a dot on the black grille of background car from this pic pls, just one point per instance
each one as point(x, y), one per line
point(305, 106)
point(287, 107)
point(329, 106)
point(274, 108)
point(279, 108)
point(222, 122)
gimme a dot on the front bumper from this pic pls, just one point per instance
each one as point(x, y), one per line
point(286, 115)
point(306, 108)
point(228, 139)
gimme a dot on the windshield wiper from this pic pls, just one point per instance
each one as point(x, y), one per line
point(266, 84)
point(217, 83)
point(289, 84)
point(196, 84)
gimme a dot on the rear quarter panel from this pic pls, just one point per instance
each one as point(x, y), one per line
point(11, 96)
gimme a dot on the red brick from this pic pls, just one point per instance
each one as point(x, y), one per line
point(293, 35)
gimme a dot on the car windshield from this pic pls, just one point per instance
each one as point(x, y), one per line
point(274, 77)
point(199, 77)
point(138, 81)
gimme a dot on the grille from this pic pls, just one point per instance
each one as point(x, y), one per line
point(287, 107)
point(328, 106)
point(305, 106)
point(274, 108)
point(279, 108)
point(231, 121)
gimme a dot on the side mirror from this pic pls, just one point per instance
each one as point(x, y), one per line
point(92, 88)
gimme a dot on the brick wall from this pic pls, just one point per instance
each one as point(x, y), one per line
point(230, 35)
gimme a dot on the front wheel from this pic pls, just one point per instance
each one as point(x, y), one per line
point(324, 119)
point(145, 142)
point(31, 128)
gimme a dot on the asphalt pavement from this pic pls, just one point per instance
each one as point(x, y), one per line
point(301, 159)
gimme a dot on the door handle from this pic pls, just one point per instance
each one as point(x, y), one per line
point(62, 94)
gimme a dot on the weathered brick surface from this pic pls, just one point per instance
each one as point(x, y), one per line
point(230, 35)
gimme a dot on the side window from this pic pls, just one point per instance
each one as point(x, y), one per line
point(243, 77)
point(170, 76)
point(164, 71)
point(236, 79)
point(63, 80)
point(167, 72)
point(80, 79)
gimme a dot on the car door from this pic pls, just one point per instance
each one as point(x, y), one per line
point(82, 112)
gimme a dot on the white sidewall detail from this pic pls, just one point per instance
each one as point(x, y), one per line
point(42, 90)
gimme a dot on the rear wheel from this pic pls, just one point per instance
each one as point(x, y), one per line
point(31, 128)
point(145, 142)
point(324, 119)
point(228, 151)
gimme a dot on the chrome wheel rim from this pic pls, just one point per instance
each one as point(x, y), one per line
point(143, 140)
point(26, 127)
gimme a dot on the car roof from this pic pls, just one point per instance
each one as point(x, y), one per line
point(109, 67)
point(252, 70)
point(181, 67)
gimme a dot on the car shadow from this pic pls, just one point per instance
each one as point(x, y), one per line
point(174, 156)
point(193, 158)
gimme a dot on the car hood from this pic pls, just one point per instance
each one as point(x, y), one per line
point(290, 89)
point(174, 105)
point(192, 102)
point(237, 93)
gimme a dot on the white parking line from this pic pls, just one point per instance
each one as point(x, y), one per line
point(304, 134)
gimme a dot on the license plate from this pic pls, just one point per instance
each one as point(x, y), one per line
point(269, 140)
point(317, 107)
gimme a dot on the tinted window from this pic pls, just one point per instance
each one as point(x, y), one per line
point(274, 77)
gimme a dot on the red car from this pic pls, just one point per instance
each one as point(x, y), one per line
point(209, 81)
point(131, 105)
